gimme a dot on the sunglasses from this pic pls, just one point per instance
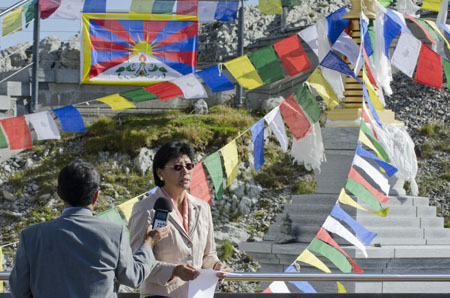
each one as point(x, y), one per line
point(178, 167)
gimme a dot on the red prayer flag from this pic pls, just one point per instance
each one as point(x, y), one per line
point(360, 179)
point(187, 7)
point(18, 133)
point(48, 7)
point(429, 68)
point(369, 70)
point(199, 184)
point(367, 119)
point(325, 237)
point(165, 90)
point(292, 55)
point(294, 117)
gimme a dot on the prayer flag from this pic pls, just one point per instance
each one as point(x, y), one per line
point(380, 149)
point(96, 6)
point(215, 78)
point(257, 130)
point(28, 11)
point(141, 6)
point(371, 106)
point(309, 258)
point(226, 11)
point(366, 36)
point(389, 169)
point(191, 86)
point(266, 63)
point(336, 24)
point(309, 35)
point(421, 26)
point(276, 124)
point(12, 22)
point(368, 68)
point(391, 30)
point(446, 66)
point(433, 5)
point(385, 3)
point(294, 117)
point(372, 172)
point(438, 31)
point(331, 253)
point(321, 86)
point(138, 95)
point(334, 62)
point(163, 7)
point(429, 68)
point(445, 27)
point(116, 102)
point(127, 207)
point(48, 7)
point(214, 167)
point(113, 215)
point(309, 150)
point(303, 286)
point(344, 198)
point(292, 55)
point(69, 9)
point(341, 288)
point(206, 11)
point(363, 194)
point(346, 46)
point(308, 102)
point(277, 287)
point(290, 3)
point(199, 184)
point(363, 234)
point(353, 174)
point(187, 7)
point(3, 143)
point(243, 71)
point(165, 90)
point(384, 71)
point(18, 133)
point(44, 125)
point(406, 53)
point(366, 116)
point(428, 29)
point(152, 191)
point(371, 94)
point(270, 7)
point(70, 118)
point(230, 160)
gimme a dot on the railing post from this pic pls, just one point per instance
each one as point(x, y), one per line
point(35, 79)
point(240, 50)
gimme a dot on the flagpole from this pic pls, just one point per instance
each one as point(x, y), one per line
point(35, 79)
point(240, 52)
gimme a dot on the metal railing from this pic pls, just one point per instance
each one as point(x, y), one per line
point(14, 6)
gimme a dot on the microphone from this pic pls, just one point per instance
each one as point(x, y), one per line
point(162, 208)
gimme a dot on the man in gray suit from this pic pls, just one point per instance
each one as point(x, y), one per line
point(79, 255)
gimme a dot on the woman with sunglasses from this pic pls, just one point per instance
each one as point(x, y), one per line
point(190, 244)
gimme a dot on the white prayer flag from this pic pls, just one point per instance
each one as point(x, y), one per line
point(44, 125)
point(279, 287)
point(373, 173)
point(406, 53)
point(407, 7)
point(383, 69)
point(309, 150)
point(309, 35)
point(276, 124)
point(191, 86)
point(70, 9)
point(346, 46)
point(206, 11)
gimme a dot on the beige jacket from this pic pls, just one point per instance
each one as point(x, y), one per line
point(197, 249)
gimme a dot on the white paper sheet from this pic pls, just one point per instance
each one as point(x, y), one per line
point(204, 285)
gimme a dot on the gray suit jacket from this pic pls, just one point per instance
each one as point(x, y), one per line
point(77, 255)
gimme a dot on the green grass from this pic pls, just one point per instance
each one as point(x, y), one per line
point(226, 251)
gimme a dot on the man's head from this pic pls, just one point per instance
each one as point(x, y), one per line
point(78, 183)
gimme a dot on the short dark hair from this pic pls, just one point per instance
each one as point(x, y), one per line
point(167, 152)
point(78, 182)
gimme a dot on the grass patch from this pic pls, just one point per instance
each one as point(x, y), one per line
point(227, 251)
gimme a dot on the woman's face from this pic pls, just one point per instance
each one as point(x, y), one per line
point(177, 172)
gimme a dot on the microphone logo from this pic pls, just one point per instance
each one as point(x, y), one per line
point(162, 208)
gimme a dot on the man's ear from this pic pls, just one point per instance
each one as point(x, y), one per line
point(94, 199)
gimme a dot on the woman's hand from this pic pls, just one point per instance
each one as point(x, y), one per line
point(185, 272)
point(152, 236)
point(219, 266)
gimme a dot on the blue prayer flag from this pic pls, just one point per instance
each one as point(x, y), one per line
point(216, 81)
point(303, 286)
point(152, 191)
point(366, 35)
point(362, 233)
point(258, 143)
point(391, 30)
point(388, 168)
point(336, 24)
point(371, 106)
point(226, 11)
point(445, 28)
point(334, 62)
point(70, 118)
point(94, 6)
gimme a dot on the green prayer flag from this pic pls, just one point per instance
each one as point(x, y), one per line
point(163, 6)
point(446, 65)
point(3, 142)
point(113, 215)
point(332, 254)
point(385, 3)
point(214, 166)
point(28, 11)
point(362, 193)
point(138, 95)
point(12, 22)
point(266, 63)
point(308, 102)
point(141, 6)
point(290, 3)
point(429, 29)
point(375, 142)
point(371, 30)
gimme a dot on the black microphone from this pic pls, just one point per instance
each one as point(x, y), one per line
point(162, 208)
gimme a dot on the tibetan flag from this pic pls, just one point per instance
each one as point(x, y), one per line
point(165, 90)
point(363, 234)
point(372, 172)
point(276, 124)
point(446, 66)
point(429, 68)
point(70, 118)
point(3, 142)
point(433, 5)
point(206, 11)
point(116, 102)
point(187, 7)
point(44, 125)
point(48, 7)
point(270, 7)
point(277, 287)
point(331, 253)
point(214, 166)
point(303, 286)
point(309, 258)
point(215, 79)
point(226, 11)
point(138, 95)
point(334, 62)
point(230, 160)
point(127, 207)
point(388, 168)
point(243, 71)
point(353, 174)
point(406, 53)
point(137, 49)
point(141, 6)
point(266, 63)
point(321, 86)
point(363, 194)
point(294, 117)
point(336, 24)
point(94, 6)
point(18, 132)
point(257, 130)
point(345, 199)
point(12, 22)
point(292, 55)
point(69, 9)
point(199, 184)
point(191, 86)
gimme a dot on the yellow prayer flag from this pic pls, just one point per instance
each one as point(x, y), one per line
point(1, 269)
point(341, 288)
point(270, 7)
point(365, 140)
point(372, 93)
point(433, 5)
point(230, 160)
point(307, 257)
point(127, 207)
point(438, 31)
point(117, 102)
point(244, 72)
point(345, 199)
point(141, 6)
point(321, 86)
point(12, 22)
